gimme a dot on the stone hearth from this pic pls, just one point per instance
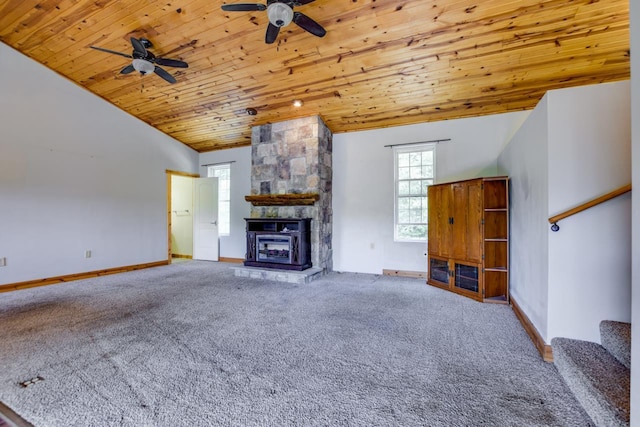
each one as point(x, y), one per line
point(287, 276)
point(295, 158)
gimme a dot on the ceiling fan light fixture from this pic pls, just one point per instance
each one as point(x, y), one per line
point(143, 66)
point(280, 14)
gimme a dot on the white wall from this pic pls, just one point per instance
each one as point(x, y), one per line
point(77, 174)
point(234, 245)
point(181, 215)
point(634, 15)
point(363, 184)
point(573, 148)
point(525, 161)
point(590, 257)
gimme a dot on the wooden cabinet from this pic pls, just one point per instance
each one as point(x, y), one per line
point(468, 241)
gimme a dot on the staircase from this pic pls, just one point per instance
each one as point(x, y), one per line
point(599, 375)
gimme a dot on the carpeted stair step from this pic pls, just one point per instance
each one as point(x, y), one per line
point(616, 338)
point(598, 381)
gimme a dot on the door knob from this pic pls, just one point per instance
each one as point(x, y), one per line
point(214, 222)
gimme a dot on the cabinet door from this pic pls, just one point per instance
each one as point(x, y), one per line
point(439, 213)
point(433, 204)
point(467, 277)
point(459, 210)
point(466, 227)
point(474, 221)
point(439, 273)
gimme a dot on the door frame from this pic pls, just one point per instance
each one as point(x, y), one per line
point(170, 173)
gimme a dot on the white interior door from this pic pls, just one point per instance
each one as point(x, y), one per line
point(205, 219)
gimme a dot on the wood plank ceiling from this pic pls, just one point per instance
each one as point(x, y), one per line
point(382, 63)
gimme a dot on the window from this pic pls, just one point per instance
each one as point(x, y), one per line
point(415, 171)
point(223, 173)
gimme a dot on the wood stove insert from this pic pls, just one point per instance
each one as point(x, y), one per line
point(283, 243)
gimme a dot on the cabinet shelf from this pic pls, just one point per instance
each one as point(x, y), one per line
point(497, 269)
point(496, 210)
point(496, 240)
point(497, 300)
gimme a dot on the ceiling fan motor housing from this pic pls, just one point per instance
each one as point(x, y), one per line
point(280, 14)
point(146, 43)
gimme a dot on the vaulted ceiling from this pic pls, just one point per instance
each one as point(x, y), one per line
point(381, 63)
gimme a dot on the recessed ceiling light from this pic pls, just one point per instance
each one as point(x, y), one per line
point(252, 111)
point(297, 103)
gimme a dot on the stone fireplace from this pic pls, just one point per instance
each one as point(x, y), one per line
point(291, 174)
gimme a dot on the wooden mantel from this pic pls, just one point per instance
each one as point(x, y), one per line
point(293, 199)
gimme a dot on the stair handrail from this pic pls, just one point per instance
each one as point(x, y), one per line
point(591, 203)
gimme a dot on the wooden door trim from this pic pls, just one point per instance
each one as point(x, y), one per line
point(188, 174)
point(169, 174)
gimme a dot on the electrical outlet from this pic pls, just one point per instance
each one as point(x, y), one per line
point(87, 254)
point(3, 262)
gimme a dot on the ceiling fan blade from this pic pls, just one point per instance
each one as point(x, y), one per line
point(170, 62)
point(128, 69)
point(308, 24)
point(111, 51)
point(272, 33)
point(162, 73)
point(138, 47)
point(243, 7)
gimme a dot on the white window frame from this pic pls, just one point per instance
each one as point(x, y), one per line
point(397, 151)
point(224, 197)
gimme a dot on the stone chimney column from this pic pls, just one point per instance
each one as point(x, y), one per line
point(295, 157)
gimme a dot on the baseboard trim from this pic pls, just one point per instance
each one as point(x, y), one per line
point(400, 273)
point(544, 348)
point(11, 418)
point(78, 276)
point(231, 260)
point(181, 256)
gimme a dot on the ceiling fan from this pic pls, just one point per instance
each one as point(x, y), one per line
point(144, 61)
point(281, 14)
